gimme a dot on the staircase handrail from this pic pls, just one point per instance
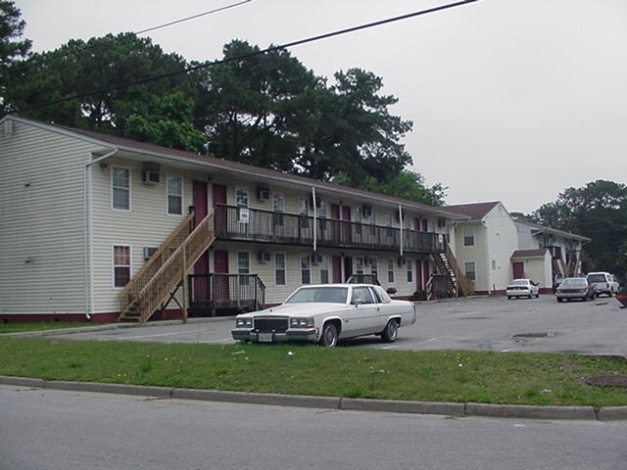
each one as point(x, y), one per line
point(152, 265)
point(465, 285)
point(175, 268)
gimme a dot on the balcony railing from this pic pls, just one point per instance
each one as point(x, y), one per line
point(245, 224)
point(211, 293)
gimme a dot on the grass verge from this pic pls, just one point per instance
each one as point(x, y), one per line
point(441, 376)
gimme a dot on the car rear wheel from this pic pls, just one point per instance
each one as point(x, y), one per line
point(329, 336)
point(390, 332)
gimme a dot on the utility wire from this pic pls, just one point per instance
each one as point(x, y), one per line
point(182, 20)
point(254, 54)
point(86, 47)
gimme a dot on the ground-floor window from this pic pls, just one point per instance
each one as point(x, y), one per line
point(410, 271)
point(324, 269)
point(470, 270)
point(243, 266)
point(279, 269)
point(121, 265)
point(305, 269)
point(391, 269)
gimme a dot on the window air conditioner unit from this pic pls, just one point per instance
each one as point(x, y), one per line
point(151, 177)
point(264, 257)
point(263, 194)
point(149, 251)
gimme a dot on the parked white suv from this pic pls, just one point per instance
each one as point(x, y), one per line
point(603, 283)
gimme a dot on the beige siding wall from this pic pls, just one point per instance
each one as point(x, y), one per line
point(146, 224)
point(41, 222)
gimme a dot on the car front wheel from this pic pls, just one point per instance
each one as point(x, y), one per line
point(390, 332)
point(329, 336)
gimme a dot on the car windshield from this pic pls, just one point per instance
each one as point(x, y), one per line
point(336, 295)
point(574, 281)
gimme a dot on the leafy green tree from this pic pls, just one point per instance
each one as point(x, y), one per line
point(407, 185)
point(106, 85)
point(11, 47)
point(269, 110)
point(597, 211)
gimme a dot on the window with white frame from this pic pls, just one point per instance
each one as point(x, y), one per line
point(359, 265)
point(410, 271)
point(469, 235)
point(241, 197)
point(358, 214)
point(470, 270)
point(174, 190)
point(121, 265)
point(324, 270)
point(243, 266)
point(278, 208)
point(280, 272)
point(391, 269)
point(121, 188)
point(374, 268)
point(305, 269)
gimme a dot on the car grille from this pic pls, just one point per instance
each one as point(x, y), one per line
point(269, 324)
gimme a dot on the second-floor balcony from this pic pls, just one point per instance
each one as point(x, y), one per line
point(255, 225)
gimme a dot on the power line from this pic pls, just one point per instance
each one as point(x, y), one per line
point(255, 53)
point(193, 17)
point(86, 47)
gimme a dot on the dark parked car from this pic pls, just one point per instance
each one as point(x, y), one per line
point(575, 288)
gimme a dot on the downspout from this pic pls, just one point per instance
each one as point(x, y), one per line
point(315, 218)
point(89, 229)
point(400, 218)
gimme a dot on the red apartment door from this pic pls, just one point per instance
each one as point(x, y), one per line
point(519, 270)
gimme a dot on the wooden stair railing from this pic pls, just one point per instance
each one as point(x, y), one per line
point(140, 304)
point(457, 282)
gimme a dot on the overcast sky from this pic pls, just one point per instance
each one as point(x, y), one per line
point(511, 100)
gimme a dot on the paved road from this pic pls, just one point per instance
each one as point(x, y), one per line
point(55, 430)
point(490, 324)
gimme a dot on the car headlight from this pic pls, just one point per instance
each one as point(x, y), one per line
point(301, 322)
point(246, 322)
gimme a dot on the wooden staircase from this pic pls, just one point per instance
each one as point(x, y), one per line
point(456, 282)
point(157, 282)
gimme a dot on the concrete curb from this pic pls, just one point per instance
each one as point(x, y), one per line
point(588, 413)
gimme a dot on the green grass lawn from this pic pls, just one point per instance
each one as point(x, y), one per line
point(444, 376)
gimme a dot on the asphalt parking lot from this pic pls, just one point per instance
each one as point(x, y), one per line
point(479, 323)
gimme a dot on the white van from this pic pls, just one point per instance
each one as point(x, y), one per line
point(603, 283)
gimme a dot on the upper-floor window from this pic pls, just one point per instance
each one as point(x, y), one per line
point(241, 197)
point(121, 265)
point(121, 188)
point(278, 207)
point(469, 235)
point(174, 190)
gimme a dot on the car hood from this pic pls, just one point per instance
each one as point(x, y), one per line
point(301, 309)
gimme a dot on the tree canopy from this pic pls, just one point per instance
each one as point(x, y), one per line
point(598, 211)
point(264, 108)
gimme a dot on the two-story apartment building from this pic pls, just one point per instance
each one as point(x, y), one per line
point(94, 226)
point(492, 248)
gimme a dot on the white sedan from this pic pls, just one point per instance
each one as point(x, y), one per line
point(522, 288)
point(327, 313)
